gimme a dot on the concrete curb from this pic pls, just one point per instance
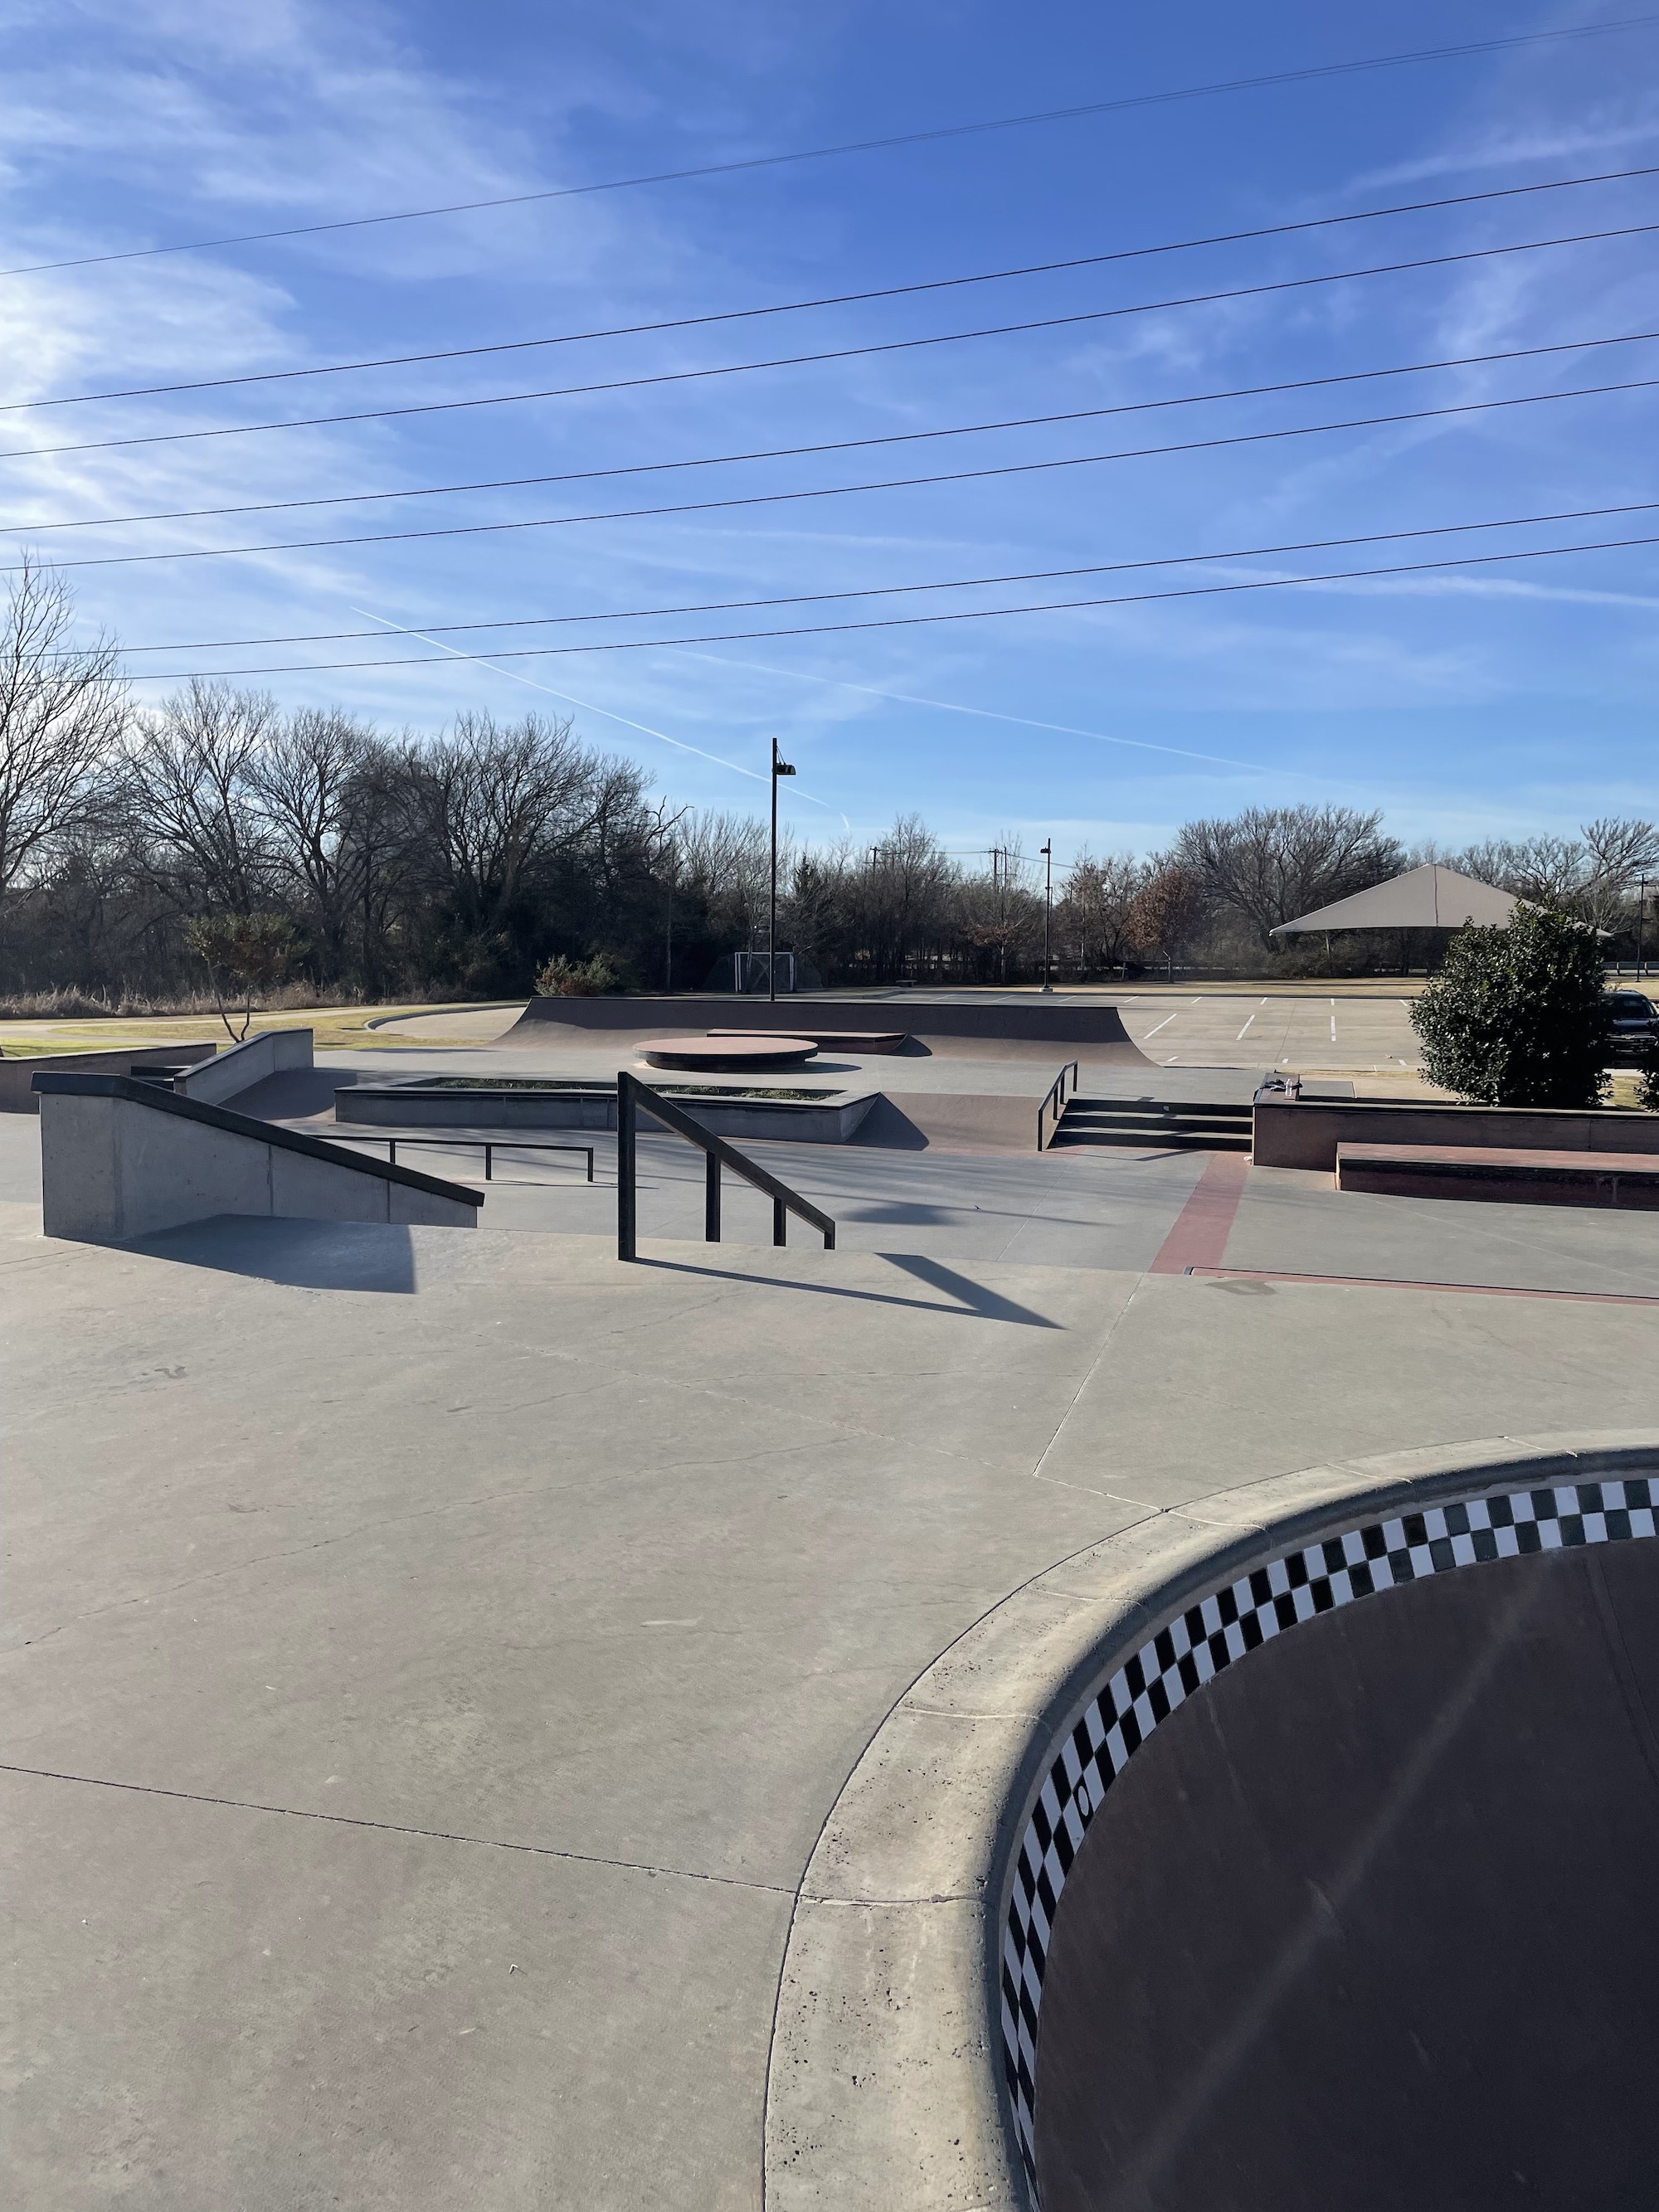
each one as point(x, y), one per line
point(884, 2084)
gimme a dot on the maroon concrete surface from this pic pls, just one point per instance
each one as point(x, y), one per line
point(695, 1052)
point(1513, 1177)
point(1368, 1923)
point(949, 1121)
point(1306, 1131)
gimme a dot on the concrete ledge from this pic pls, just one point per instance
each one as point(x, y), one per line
point(1626, 1179)
point(17, 1090)
point(228, 1073)
point(1305, 1132)
point(791, 1120)
point(121, 1158)
point(885, 2084)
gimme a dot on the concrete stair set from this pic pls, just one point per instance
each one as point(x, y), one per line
point(1153, 1123)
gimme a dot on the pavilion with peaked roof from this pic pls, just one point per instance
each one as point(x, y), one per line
point(1429, 897)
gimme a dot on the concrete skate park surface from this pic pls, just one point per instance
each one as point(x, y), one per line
point(488, 1725)
point(978, 1102)
point(1339, 1030)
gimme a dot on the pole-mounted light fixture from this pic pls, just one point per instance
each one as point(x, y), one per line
point(1048, 853)
point(780, 767)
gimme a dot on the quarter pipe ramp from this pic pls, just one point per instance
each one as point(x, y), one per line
point(952, 1025)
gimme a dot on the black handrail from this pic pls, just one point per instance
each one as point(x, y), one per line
point(1056, 1098)
point(631, 1094)
point(487, 1145)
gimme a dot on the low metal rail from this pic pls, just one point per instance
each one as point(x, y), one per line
point(631, 1095)
point(487, 1145)
point(1055, 1101)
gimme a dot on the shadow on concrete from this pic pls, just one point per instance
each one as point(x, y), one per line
point(887, 1126)
point(311, 1255)
point(970, 1299)
point(986, 1304)
point(293, 1094)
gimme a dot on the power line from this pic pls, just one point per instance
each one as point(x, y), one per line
point(889, 591)
point(914, 622)
point(857, 146)
point(829, 300)
point(841, 353)
point(839, 491)
point(831, 446)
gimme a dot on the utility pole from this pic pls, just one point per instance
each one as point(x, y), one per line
point(1002, 860)
point(780, 767)
point(1641, 912)
point(1047, 852)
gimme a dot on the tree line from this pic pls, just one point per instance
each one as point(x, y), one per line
point(145, 852)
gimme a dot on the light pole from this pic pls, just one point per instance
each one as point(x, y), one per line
point(780, 767)
point(1047, 852)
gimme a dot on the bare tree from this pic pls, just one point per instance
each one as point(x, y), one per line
point(190, 796)
point(307, 779)
point(1169, 910)
point(1096, 906)
point(1274, 864)
point(63, 708)
point(496, 804)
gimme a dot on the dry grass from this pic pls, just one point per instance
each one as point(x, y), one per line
point(337, 1029)
point(71, 1003)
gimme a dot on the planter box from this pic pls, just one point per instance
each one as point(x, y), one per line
point(410, 1106)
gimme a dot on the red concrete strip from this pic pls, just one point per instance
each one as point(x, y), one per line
point(1198, 1238)
point(1403, 1283)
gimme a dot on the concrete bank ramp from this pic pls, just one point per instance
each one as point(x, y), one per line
point(1370, 1923)
point(124, 1159)
point(1027, 1026)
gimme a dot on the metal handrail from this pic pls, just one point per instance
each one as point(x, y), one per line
point(1056, 1098)
point(487, 1145)
point(631, 1094)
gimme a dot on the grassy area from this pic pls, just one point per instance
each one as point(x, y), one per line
point(339, 1029)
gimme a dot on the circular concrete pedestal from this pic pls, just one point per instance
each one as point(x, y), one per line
point(727, 1052)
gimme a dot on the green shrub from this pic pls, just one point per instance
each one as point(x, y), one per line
point(1517, 1016)
point(563, 978)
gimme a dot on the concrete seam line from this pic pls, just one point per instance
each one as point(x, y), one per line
point(884, 2079)
point(1402, 1539)
point(389, 1827)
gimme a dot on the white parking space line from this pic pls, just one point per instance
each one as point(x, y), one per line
point(1242, 1031)
point(1164, 1023)
point(1333, 1024)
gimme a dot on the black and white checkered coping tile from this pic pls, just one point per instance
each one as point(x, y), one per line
point(1213, 1632)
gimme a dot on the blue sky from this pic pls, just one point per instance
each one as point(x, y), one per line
point(1467, 703)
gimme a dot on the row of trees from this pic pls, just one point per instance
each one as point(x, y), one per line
point(139, 848)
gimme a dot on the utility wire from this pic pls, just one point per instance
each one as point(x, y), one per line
point(858, 145)
point(913, 621)
point(828, 299)
point(841, 353)
point(891, 590)
point(834, 446)
point(839, 491)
